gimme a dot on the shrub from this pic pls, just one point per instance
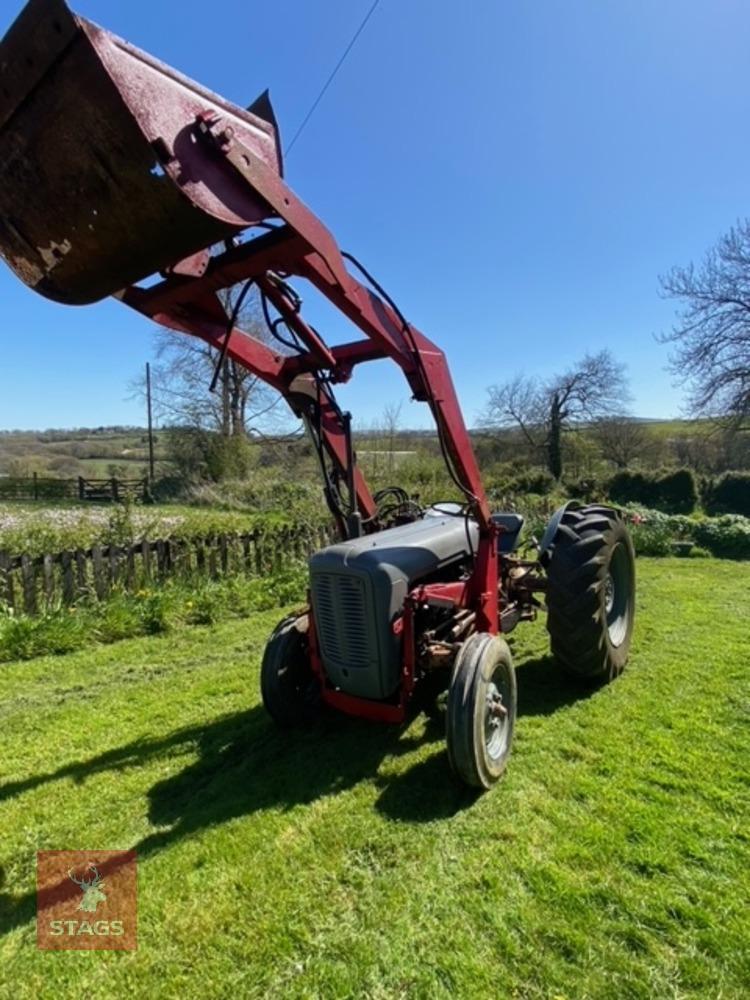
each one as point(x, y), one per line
point(675, 492)
point(627, 487)
point(22, 638)
point(154, 612)
point(727, 537)
point(539, 482)
point(652, 535)
point(729, 494)
point(588, 489)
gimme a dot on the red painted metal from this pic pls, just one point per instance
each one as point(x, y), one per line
point(172, 169)
point(445, 595)
point(362, 708)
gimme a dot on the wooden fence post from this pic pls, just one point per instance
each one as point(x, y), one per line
point(114, 565)
point(100, 581)
point(160, 562)
point(49, 580)
point(29, 584)
point(212, 568)
point(146, 559)
point(68, 585)
point(130, 568)
point(6, 580)
point(79, 557)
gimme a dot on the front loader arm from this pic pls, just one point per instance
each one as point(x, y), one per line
point(114, 167)
point(190, 305)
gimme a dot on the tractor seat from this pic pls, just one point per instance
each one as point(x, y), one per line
point(508, 539)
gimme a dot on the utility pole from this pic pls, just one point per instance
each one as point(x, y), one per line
point(150, 425)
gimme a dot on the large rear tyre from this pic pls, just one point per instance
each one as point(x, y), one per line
point(481, 710)
point(289, 688)
point(591, 593)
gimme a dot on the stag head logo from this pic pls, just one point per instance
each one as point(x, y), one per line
point(91, 889)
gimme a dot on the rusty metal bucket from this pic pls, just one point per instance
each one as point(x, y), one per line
point(102, 182)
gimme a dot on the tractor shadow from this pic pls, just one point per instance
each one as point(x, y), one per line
point(244, 765)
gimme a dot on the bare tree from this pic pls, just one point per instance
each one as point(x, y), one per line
point(621, 440)
point(182, 376)
point(542, 410)
point(712, 332)
point(391, 420)
point(209, 431)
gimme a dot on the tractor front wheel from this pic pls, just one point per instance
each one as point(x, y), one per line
point(481, 710)
point(290, 691)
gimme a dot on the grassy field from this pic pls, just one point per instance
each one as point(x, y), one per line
point(613, 861)
point(69, 453)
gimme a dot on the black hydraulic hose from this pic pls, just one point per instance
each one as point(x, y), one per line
point(230, 327)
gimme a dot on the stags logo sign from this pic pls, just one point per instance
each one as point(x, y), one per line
point(86, 900)
point(91, 889)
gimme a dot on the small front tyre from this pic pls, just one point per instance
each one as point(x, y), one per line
point(482, 703)
point(289, 688)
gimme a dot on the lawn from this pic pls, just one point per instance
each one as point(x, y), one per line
point(613, 860)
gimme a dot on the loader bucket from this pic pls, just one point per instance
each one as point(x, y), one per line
point(102, 182)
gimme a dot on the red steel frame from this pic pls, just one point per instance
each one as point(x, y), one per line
point(301, 246)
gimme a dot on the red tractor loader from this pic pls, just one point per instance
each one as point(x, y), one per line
point(115, 169)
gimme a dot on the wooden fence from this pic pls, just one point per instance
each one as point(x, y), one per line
point(36, 487)
point(34, 584)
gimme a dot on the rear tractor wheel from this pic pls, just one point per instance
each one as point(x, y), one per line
point(481, 710)
point(290, 690)
point(591, 592)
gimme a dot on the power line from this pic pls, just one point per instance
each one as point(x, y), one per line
point(331, 78)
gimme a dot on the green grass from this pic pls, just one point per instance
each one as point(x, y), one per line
point(160, 608)
point(612, 861)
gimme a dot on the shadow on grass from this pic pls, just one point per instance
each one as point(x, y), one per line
point(245, 765)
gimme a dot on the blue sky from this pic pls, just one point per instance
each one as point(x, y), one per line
point(516, 174)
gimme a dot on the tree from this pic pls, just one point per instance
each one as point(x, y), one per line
point(621, 439)
point(543, 410)
point(712, 332)
point(391, 420)
point(210, 430)
point(182, 377)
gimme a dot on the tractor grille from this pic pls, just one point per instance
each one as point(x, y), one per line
point(342, 621)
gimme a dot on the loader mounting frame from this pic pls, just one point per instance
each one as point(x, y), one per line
point(302, 247)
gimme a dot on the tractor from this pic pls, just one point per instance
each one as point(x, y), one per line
point(121, 177)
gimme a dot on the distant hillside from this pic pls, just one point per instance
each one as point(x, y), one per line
point(84, 451)
point(123, 451)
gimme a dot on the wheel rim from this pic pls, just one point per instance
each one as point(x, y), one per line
point(496, 719)
point(617, 595)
